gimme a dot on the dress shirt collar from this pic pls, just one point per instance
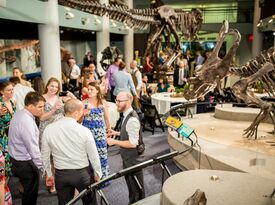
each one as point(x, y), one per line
point(28, 113)
point(69, 119)
point(127, 112)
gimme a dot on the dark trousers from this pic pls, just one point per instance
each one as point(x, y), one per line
point(28, 175)
point(113, 97)
point(134, 192)
point(67, 180)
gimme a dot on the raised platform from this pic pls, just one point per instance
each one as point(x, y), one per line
point(229, 188)
point(227, 112)
point(224, 148)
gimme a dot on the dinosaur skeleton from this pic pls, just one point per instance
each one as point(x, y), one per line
point(163, 20)
point(109, 54)
point(65, 54)
point(259, 69)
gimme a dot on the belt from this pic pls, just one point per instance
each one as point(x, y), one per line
point(68, 170)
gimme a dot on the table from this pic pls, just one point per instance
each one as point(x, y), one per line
point(113, 113)
point(163, 102)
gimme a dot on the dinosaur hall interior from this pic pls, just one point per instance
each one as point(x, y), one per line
point(205, 88)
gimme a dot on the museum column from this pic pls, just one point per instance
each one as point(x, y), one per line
point(258, 37)
point(102, 37)
point(50, 43)
point(128, 41)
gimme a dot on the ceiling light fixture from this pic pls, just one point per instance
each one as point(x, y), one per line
point(97, 21)
point(69, 15)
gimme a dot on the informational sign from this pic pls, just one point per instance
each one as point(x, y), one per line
point(182, 128)
point(185, 130)
point(173, 122)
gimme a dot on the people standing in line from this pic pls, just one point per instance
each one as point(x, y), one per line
point(75, 72)
point(181, 74)
point(129, 139)
point(17, 72)
point(110, 72)
point(20, 91)
point(7, 110)
point(96, 119)
point(24, 147)
point(72, 147)
point(123, 81)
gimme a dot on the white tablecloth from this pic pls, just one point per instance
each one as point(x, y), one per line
point(113, 113)
point(163, 101)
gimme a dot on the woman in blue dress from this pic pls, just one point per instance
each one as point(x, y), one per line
point(96, 119)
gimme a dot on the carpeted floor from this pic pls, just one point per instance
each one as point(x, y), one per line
point(117, 193)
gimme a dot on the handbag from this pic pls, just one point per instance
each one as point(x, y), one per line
point(141, 146)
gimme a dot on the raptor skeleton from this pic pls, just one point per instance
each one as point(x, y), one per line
point(215, 69)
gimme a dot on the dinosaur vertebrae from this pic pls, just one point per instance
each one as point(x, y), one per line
point(131, 17)
point(141, 18)
point(254, 65)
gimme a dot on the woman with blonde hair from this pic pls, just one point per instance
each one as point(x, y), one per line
point(96, 119)
point(53, 108)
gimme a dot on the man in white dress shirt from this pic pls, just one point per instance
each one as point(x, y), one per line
point(75, 72)
point(20, 92)
point(72, 146)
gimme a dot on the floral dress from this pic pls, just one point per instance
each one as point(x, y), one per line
point(8, 199)
point(4, 128)
point(95, 122)
point(56, 116)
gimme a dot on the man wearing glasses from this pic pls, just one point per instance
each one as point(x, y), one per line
point(129, 136)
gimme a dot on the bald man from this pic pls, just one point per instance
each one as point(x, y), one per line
point(72, 147)
point(129, 137)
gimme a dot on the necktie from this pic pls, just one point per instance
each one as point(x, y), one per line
point(121, 118)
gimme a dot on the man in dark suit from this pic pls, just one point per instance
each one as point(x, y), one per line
point(181, 74)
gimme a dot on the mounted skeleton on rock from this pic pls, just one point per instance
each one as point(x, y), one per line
point(109, 54)
point(215, 69)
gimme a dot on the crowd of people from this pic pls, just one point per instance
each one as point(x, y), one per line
point(61, 130)
point(63, 136)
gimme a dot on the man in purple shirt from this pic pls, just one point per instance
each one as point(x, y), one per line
point(111, 71)
point(23, 146)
